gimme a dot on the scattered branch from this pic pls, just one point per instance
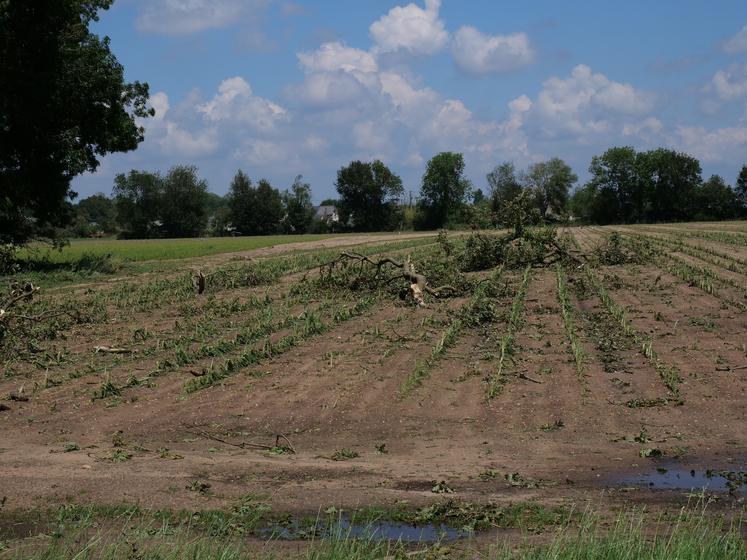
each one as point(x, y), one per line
point(418, 282)
point(111, 350)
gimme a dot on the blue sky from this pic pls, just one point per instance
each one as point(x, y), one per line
point(280, 88)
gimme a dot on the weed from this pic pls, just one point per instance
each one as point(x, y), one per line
point(344, 454)
point(199, 486)
point(642, 436)
point(107, 389)
point(515, 479)
point(651, 453)
point(489, 474)
point(441, 488)
point(118, 455)
point(552, 426)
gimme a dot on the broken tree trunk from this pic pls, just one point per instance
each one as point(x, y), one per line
point(418, 282)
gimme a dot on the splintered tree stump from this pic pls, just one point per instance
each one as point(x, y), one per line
point(199, 281)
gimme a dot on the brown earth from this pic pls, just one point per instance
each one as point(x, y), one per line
point(342, 390)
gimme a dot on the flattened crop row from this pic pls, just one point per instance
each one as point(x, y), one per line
point(567, 310)
point(700, 277)
point(496, 380)
point(669, 374)
point(465, 316)
point(253, 355)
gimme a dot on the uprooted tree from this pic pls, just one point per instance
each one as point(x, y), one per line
point(403, 271)
point(16, 317)
point(443, 274)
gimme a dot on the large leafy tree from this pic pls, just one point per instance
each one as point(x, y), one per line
point(550, 182)
point(183, 208)
point(618, 190)
point(741, 189)
point(715, 200)
point(299, 211)
point(670, 180)
point(254, 210)
point(98, 209)
point(368, 195)
point(63, 104)
point(242, 197)
point(138, 196)
point(444, 188)
point(504, 185)
point(268, 209)
point(151, 205)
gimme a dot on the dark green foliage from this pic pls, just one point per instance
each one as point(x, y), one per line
point(299, 211)
point(655, 186)
point(368, 196)
point(481, 252)
point(8, 260)
point(670, 179)
point(612, 251)
point(742, 189)
point(549, 182)
point(519, 213)
point(504, 185)
point(444, 188)
point(268, 209)
point(184, 203)
point(241, 199)
point(137, 198)
point(254, 211)
point(150, 205)
point(715, 200)
point(478, 197)
point(616, 187)
point(95, 215)
point(64, 103)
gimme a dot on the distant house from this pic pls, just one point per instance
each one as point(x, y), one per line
point(327, 214)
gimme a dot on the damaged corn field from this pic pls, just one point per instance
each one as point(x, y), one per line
point(503, 391)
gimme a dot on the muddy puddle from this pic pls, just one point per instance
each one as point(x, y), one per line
point(376, 530)
point(676, 476)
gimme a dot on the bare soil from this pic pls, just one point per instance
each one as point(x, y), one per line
point(571, 436)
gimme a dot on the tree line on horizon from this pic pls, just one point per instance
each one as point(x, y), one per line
point(65, 103)
point(625, 187)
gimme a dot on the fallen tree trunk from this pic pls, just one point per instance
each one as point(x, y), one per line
point(418, 282)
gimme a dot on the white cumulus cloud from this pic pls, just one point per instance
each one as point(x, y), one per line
point(521, 104)
point(331, 57)
point(160, 102)
point(720, 144)
point(477, 53)
point(234, 101)
point(178, 17)
point(177, 141)
point(586, 102)
point(646, 126)
point(731, 83)
point(737, 43)
point(411, 28)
